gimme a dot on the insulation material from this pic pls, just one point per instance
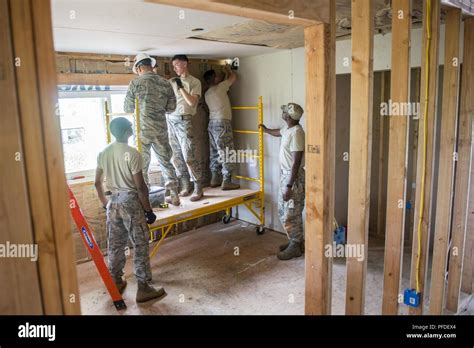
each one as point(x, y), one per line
point(124, 67)
point(262, 33)
point(255, 32)
point(467, 6)
point(63, 64)
point(89, 66)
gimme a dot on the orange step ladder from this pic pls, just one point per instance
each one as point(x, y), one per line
point(91, 245)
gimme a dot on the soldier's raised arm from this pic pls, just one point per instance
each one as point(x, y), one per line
point(129, 103)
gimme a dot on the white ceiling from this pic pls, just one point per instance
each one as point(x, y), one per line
point(132, 26)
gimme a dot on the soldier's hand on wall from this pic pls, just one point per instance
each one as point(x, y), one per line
point(150, 217)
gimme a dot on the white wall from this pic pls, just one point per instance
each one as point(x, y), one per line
point(280, 78)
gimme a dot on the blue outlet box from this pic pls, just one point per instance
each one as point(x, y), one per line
point(411, 297)
point(340, 235)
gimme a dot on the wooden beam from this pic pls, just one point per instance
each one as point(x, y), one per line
point(20, 288)
point(411, 189)
point(360, 150)
point(382, 158)
point(425, 158)
point(95, 79)
point(467, 278)
point(463, 173)
point(397, 159)
point(446, 159)
point(320, 162)
point(291, 12)
point(31, 129)
point(47, 86)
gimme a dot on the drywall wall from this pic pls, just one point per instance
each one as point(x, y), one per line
point(280, 78)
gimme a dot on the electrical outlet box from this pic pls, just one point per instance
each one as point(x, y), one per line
point(411, 297)
point(340, 235)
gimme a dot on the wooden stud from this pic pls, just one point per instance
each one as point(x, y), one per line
point(45, 66)
point(360, 150)
point(446, 159)
point(462, 182)
point(397, 159)
point(20, 289)
point(320, 162)
point(31, 129)
point(414, 154)
point(382, 158)
point(95, 79)
point(428, 157)
point(293, 12)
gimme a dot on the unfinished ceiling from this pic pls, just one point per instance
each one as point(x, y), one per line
point(256, 32)
point(127, 27)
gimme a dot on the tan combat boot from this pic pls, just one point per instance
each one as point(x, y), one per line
point(216, 180)
point(185, 186)
point(197, 194)
point(293, 250)
point(146, 293)
point(173, 198)
point(227, 184)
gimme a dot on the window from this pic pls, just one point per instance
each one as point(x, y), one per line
point(83, 132)
point(83, 128)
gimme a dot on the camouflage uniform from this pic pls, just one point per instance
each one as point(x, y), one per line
point(125, 219)
point(181, 136)
point(221, 141)
point(291, 212)
point(156, 97)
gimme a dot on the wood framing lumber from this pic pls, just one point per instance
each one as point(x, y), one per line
point(47, 86)
point(446, 159)
point(425, 156)
point(95, 79)
point(397, 159)
point(320, 113)
point(31, 128)
point(360, 150)
point(292, 12)
point(462, 231)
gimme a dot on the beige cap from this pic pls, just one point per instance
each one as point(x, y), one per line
point(293, 110)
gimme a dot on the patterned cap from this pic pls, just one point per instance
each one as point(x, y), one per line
point(293, 110)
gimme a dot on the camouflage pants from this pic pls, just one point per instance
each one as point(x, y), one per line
point(158, 140)
point(125, 219)
point(291, 212)
point(183, 144)
point(221, 140)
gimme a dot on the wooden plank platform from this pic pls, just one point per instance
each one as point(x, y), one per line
point(214, 200)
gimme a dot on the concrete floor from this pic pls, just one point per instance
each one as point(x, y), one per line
point(228, 269)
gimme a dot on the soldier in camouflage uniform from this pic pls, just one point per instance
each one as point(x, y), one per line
point(128, 209)
point(156, 98)
point(221, 138)
point(292, 180)
point(187, 90)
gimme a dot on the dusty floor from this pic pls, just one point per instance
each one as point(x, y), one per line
point(228, 269)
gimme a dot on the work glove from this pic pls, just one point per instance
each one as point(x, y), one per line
point(178, 82)
point(150, 217)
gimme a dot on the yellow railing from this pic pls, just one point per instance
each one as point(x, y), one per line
point(136, 123)
point(260, 156)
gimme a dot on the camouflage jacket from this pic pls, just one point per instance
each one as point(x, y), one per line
point(155, 98)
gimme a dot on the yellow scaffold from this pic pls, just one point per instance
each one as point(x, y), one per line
point(253, 200)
